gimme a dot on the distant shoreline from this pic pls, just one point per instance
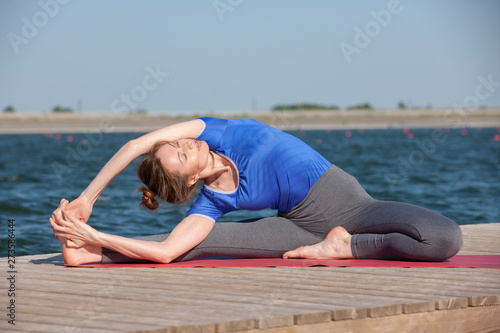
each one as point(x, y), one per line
point(24, 123)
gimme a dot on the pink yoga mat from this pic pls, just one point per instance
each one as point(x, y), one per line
point(464, 261)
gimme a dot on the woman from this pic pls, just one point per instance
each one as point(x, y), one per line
point(323, 211)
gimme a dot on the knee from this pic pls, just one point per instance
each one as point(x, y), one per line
point(449, 242)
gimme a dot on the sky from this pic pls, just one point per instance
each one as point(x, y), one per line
point(239, 56)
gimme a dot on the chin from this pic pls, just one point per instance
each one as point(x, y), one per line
point(204, 151)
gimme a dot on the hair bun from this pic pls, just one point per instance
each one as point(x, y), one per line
point(148, 199)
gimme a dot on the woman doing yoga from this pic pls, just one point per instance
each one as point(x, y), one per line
point(323, 212)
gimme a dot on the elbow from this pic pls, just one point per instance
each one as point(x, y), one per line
point(132, 144)
point(135, 147)
point(164, 257)
point(165, 260)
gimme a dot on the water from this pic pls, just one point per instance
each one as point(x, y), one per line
point(457, 175)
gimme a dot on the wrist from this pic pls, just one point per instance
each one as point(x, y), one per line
point(87, 199)
point(97, 238)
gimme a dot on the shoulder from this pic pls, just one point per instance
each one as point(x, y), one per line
point(210, 121)
point(215, 129)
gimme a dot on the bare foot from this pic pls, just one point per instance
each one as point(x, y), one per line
point(81, 255)
point(73, 255)
point(336, 245)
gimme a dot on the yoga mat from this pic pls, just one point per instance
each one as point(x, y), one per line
point(464, 261)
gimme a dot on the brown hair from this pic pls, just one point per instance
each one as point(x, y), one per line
point(169, 187)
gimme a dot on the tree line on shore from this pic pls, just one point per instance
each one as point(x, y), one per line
point(280, 107)
point(65, 109)
point(312, 106)
point(55, 109)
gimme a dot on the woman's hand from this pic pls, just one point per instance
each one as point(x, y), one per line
point(77, 233)
point(80, 208)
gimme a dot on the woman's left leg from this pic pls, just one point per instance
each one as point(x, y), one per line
point(396, 230)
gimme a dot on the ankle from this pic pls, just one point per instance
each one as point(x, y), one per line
point(347, 247)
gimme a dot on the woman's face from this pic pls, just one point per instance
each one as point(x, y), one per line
point(186, 157)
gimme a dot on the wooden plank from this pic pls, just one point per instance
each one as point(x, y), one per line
point(484, 300)
point(91, 324)
point(452, 303)
point(419, 307)
point(275, 321)
point(89, 314)
point(40, 326)
point(349, 314)
point(312, 317)
point(235, 325)
point(208, 328)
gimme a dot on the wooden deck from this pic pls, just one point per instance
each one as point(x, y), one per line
point(53, 298)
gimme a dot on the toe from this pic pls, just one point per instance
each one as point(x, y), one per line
point(293, 253)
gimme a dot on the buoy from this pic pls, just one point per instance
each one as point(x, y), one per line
point(70, 138)
point(463, 131)
point(496, 137)
point(406, 130)
point(409, 135)
point(348, 134)
point(319, 141)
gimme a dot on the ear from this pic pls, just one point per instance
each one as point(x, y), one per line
point(193, 180)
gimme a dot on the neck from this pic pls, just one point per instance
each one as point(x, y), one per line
point(220, 168)
point(215, 166)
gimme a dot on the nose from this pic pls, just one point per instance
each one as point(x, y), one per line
point(189, 145)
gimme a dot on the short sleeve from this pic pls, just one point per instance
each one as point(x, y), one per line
point(205, 207)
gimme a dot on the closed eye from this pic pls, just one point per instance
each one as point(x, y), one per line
point(182, 156)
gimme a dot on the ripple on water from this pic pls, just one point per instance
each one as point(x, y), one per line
point(13, 178)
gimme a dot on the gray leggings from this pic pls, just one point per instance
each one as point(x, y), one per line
point(380, 229)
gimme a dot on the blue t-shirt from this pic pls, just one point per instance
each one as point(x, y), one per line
point(275, 169)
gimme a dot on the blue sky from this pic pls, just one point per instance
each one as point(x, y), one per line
point(239, 56)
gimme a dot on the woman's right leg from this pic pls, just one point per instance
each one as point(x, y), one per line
point(268, 237)
point(380, 229)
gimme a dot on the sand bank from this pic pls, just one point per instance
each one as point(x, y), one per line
point(23, 123)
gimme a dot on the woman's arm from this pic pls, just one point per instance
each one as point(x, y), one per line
point(133, 149)
point(187, 234)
